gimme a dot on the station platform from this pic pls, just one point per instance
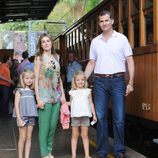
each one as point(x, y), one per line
point(62, 147)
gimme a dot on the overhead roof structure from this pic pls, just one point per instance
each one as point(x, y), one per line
point(13, 10)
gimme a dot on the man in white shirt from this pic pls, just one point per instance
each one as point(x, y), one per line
point(109, 53)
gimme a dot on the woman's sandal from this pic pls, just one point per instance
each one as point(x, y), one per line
point(51, 156)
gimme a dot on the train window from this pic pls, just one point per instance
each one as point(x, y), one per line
point(148, 14)
point(95, 23)
point(136, 31)
point(78, 43)
point(76, 36)
point(115, 26)
point(135, 7)
point(125, 28)
point(71, 38)
point(115, 14)
point(135, 19)
point(125, 18)
point(148, 3)
point(67, 41)
point(84, 31)
point(149, 28)
point(125, 9)
point(88, 28)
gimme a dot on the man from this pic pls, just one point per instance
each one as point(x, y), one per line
point(5, 82)
point(72, 67)
point(108, 53)
point(23, 64)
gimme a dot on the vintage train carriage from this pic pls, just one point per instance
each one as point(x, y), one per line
point(138, 20)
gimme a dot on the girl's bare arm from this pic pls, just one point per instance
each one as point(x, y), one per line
point(92, 108)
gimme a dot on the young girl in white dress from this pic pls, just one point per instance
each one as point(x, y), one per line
point(82, 108)
point(25, 111)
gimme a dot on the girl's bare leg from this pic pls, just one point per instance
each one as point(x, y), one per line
point(85, 140)
point(74, 140)
point(21, 142)
point(29, 130)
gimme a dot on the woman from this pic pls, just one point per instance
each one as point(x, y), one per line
point(49, 92)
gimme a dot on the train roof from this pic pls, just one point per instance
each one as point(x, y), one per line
point(21, 10)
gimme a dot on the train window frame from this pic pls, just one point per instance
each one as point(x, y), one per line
point(148, 11)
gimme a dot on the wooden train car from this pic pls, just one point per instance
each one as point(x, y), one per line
point(138, 20)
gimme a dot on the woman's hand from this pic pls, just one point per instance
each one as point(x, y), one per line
point(40, 104)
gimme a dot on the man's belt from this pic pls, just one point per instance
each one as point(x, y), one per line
point(110, 75)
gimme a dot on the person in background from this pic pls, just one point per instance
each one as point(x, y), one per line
point(15, 77)
point(25, 112)
point(82, 108)
point(72, 67)
point(30, 66)
point(49, 93)
point(109, 53)
point(5, 83)
point(23, 64)
point(13, 71)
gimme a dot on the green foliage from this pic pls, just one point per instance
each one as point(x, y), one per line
point(90, 4)
point(14, 26)
point(67, 11)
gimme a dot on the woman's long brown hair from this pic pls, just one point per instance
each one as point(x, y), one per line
point(40, 49)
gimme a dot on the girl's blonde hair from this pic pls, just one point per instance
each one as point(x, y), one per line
point(21, 83)
point(78, 73)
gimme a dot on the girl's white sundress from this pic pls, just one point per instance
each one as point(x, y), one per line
point(80, 105)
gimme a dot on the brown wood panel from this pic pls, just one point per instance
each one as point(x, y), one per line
point(146, 87)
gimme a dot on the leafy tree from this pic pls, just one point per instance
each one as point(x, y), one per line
point(67, 11)
point(91, 4)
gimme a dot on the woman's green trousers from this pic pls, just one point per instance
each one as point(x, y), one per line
point(48, 118)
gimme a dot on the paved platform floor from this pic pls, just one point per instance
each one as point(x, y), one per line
point(62, 147)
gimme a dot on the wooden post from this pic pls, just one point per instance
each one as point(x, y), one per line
point(155, 21)
point(142, 31)
point(130, 24)
point(120, 13)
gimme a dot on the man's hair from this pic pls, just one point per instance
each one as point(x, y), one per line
point(5, 58)
point(71, 52)
point(31, 59)
point(25, 55)
point(105, 12)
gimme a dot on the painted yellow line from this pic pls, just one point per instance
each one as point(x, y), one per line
point(93, 144)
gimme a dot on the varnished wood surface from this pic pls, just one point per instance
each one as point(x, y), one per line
point(145, 87)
